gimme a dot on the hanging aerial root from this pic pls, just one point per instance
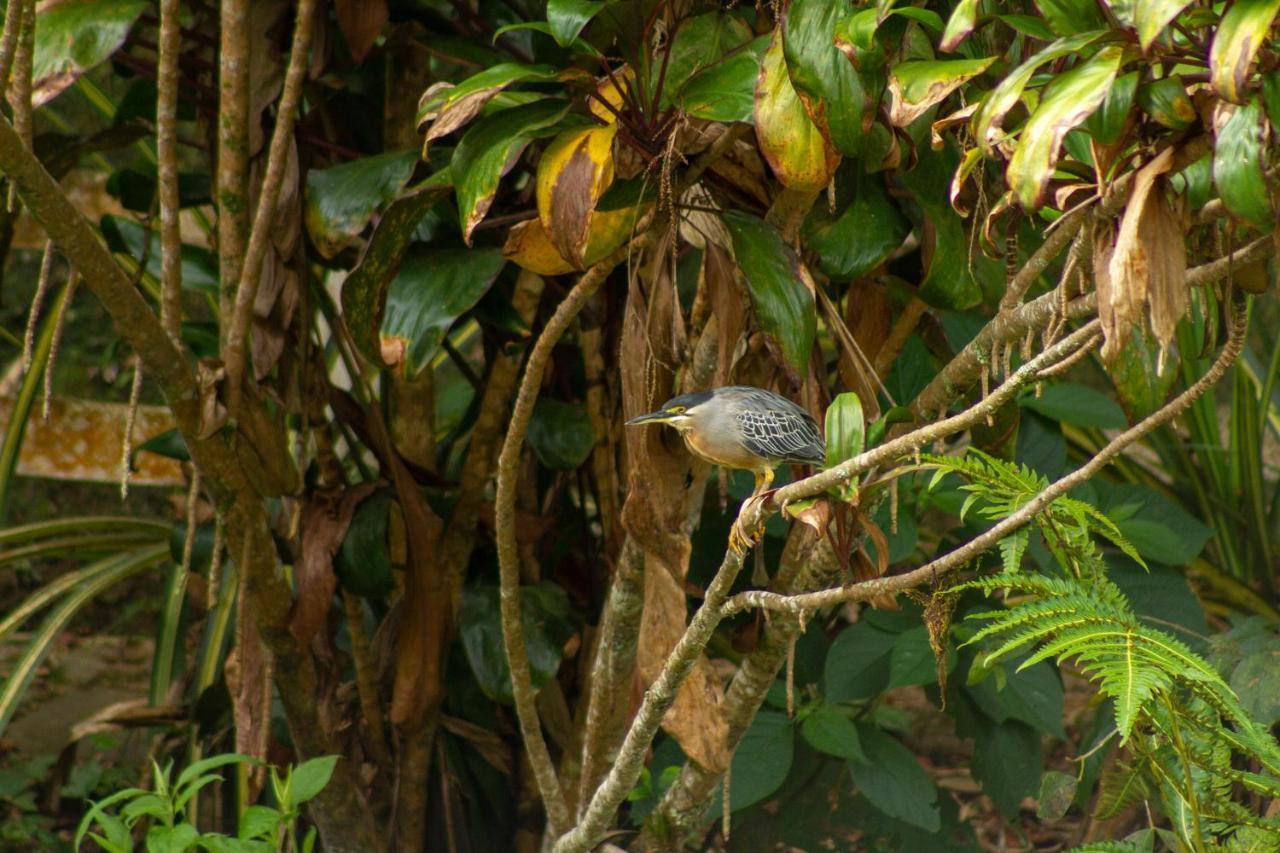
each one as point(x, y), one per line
point(59, 326)
point(130, 421)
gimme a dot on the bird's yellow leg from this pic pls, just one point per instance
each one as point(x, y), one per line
point(740, 539)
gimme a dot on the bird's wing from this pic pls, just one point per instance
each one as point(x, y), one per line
point(783, 434)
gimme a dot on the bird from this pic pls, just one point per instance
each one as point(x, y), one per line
point(737, 426)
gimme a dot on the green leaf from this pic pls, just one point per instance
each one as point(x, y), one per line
point(258, 822)
point(1067, 101)
point(434, 288)
point(963, 17)
point(1028, 25)
point(845, 428)
point(1057, 790)
point(1238, 154)
point(857, 665)
point(1254, 681)
point(1007, 760)
point(828, 85)
point(1108, 122)
point(568, 17)
point(1152, 16)
point(74, 36)
point(1235, 44)
point(1166, 101)
point(829, 731)
point(777, 283)
point(912, 660)
point(1158, 529)
point(490, 148)
point(449, 107)
point(861, 236)
point(948, 282)
point(168, 444)
point(1068, 17)
point(1075, 404)
point(561, 434)
point(700, 43)
point(1033, 695)
point(341, 200)
point(796, 148)
point(309, 778)
point(760, 763)
point(548, 625)
point(894, 782)
point(126, 237)
point(916, 86)
point(726, 91)
point(363, 561)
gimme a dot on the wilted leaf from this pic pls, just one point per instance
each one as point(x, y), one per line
point(342, 199)
point(726, 91)
point(796, 150)
point(1152, 16)
point(444, 107)
point(1238, 166)
point(783, 302)
point(1067, 101)
point(73, 36)
point(361, 21)
point(490, 148)
point(859, 237)
point(573, 174)
point(568, 17)
point(1243, 30)
point(1057, 790)
point(434, 287)
point(1166, 101)
point(529, 247)
point(916, 86)
point(990, 116)
point(324, 525)
point(825, 82)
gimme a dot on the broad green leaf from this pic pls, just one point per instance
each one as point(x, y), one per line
point(364, 293)
point(1166, 101)
point(1243, 30)
point(309, 778)
point(126, 237)
point(946, 250)
point(1028, 25)
point(1152, 16)
point(959, 25)
point(1067, 101)
point(990, 116)
point(561, 434)
point(1069, 403)
point(1057, 790)
point(857, 665)
point(914, 87)
point(778, 284)
point(1108, 121)
point(258, 822)
point(578, 45)
point(912, 660)
point(760, 763)
point(568, 17)
point(1008, 761)
point(1254, 680)
point(445, 108)
point(340, 201)
point(894, 782)
point(74, 36)
point(1160, 592)
point(363, 560)
point(798, 153)
point(845, 428)
point(1238, 166)
point(548, 625)
point(434, 287)
point(859, 237)
point(825, 81)
point(1068, 17)
point(1032, 695)
point(490, 148)
point(827, 730)
point(726, 91)
point(700, 43)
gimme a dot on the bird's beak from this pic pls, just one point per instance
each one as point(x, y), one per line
point(660, 417)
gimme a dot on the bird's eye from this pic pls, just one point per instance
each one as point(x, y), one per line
point(676, 410)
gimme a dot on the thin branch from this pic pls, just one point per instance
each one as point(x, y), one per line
point(60, 325)
point(930, 571)
point(508, 472)
point(18, 92)
point(898, 335)
point(9, 40)
point(130, 422)
point(281, 140)
point(233, 154)
point(43, 281)
point(167, 171)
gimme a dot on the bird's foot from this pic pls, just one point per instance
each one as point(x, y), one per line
point(743, 536)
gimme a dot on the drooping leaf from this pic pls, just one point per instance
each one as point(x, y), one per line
point(726, 91)
point(760, 763)
point(1166, 101)
point(894, 782)
point(529, 247)
point(490, 148)
point(568, 17)
point(778, 285)
point(1235, 43)
point(1238, 166)
point(74, 36)
point(1067, 101)
point(856, 239)
point(824, 80)
point(845, 428)
point(1152, 16)
point(342, 199)
point(433, 288)
point(573, 174)
point(829, 731)
point(799, 155)
point(445, 108)
point(1108, 121)
point(561, 434)
point(916, 86)
point(548, 625)
point(949, 282)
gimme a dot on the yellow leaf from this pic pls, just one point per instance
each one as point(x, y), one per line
point(796, 150)
point(574, 173)
point(611, 94)
point(529, 247)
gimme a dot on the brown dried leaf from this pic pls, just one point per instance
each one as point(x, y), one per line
point(573, 174)
point(213, 414)
point(816, 515)
point(361, 21)
point(325, 520)
point(1163, 234)
point(726, 295)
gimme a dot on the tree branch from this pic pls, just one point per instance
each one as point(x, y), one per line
point(167, 170)
point(233, 154)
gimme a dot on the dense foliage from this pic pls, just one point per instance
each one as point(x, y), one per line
point(386, 280)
